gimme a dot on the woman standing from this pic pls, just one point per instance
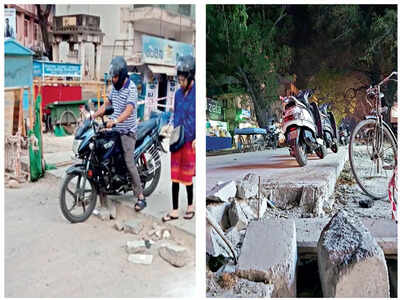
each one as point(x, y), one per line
point(183, 161)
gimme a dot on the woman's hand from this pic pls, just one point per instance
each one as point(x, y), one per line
point(194, 144)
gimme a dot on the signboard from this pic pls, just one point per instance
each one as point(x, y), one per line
point(10, 28)
point(243, 114)
point(163, 52)
point(214, 109)
point(69, 21)
point(44, 68)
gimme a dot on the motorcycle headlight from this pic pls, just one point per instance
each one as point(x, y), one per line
point(75, 146)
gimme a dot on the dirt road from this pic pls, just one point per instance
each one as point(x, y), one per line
point(45, 256)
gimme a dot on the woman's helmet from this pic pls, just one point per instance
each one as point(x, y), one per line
point(118, 67)
point(186, 67)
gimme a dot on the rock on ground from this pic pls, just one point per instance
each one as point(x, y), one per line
point(269, 254)
point(248, 187)
point(133, 227)
point(173, 254)
point(219, 212)
point(350, 262)
point(222, 192)
point(133, 247)
point(143, 259)
point(13, 184)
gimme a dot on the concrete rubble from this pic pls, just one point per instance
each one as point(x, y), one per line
point(350, 261)
point(133, 227)
point(222, 192)
point(240, 214)
point(119, 226)
point(248, 187)
point(143, 259)
point(174, 254)
point(133, 247)
point(260, 262)
point(215, 245)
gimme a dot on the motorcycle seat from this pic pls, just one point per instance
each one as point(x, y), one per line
point(144, 128)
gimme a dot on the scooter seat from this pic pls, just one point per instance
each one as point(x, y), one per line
point(144, 128)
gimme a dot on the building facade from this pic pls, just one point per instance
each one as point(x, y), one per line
point(27, 29)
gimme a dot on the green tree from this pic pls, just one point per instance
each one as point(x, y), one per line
point(244, 53)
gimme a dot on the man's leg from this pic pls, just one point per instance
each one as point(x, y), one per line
point(128, 146)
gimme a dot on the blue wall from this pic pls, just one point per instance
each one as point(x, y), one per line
point(18, 71)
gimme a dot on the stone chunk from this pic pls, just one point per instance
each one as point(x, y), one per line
point(173, 254)
point(118, 226)
point(218, 211)
point(143, 259)
point(133, 227)
point(133, 247)
point(13, 184)
point(350, 261)
point(222, 192)
point(269, 254)
point(248, 187)
point(240, 214)
point(215, 245)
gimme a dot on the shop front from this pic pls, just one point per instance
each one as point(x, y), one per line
point(159, 58)
point(218, 136)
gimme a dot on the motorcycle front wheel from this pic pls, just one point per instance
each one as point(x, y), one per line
point(77, 198)
point(300, 153)
point(321, 151)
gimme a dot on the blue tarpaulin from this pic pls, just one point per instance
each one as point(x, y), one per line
point(218, 143)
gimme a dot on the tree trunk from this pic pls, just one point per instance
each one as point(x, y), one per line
point(43, 23)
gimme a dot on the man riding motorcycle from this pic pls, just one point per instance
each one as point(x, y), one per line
point(123, 98)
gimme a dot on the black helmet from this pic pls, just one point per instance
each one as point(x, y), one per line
point(186, 67)
point(118, 67)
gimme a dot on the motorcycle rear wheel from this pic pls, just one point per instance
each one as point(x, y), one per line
point(335, 148)
point(148, 188)
point(300, 153)
point(82, 202)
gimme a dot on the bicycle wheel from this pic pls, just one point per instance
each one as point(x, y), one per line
point(372, 153)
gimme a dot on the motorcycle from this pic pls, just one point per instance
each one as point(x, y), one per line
point(302, 133)
point(329, 129)
point(102, 167)
point(272, 136)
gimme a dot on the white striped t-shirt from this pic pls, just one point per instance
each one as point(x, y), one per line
point(119, 100)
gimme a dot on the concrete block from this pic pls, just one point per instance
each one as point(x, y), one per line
point(222, 192)
point(350, 261)
point(219, 212)
point(173, 254)
point(143, 259)
point(248, 187)
point(240, 214)
point(215, 245)
point(118, 226)
point(133, 227)
point(269, 254)
point(133, 247)
point(259, 205)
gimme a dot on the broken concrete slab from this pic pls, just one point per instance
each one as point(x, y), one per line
point(143, 259)
point(248, 187)
point(133, 247)
point(350, 261)
point(219, 212)
point(173, 254)
point(259, 206)
point(269, 254)
point(133, 227)
point(215, 244)
point(240, 214)
point(308, 232)
point(222, 192)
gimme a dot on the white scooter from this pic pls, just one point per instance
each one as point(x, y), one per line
point(302, 131)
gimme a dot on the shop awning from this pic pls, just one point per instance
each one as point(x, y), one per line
point(170, 71)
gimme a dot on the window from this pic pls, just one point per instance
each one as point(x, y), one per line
point(35, 33)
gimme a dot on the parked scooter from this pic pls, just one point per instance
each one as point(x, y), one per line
point(329, 129)
point(272, 136)
point(303, 135)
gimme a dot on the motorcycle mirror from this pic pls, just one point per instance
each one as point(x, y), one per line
point(109, 110)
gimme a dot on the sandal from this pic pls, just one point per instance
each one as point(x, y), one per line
point(140, 204)
point(168, 218)
point(189, 215)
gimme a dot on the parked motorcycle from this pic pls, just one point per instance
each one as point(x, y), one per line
point(272, 136)
point(103, 167)
point(303, 136)
point(329, 129)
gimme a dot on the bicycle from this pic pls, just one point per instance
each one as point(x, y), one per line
point(373, 147)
